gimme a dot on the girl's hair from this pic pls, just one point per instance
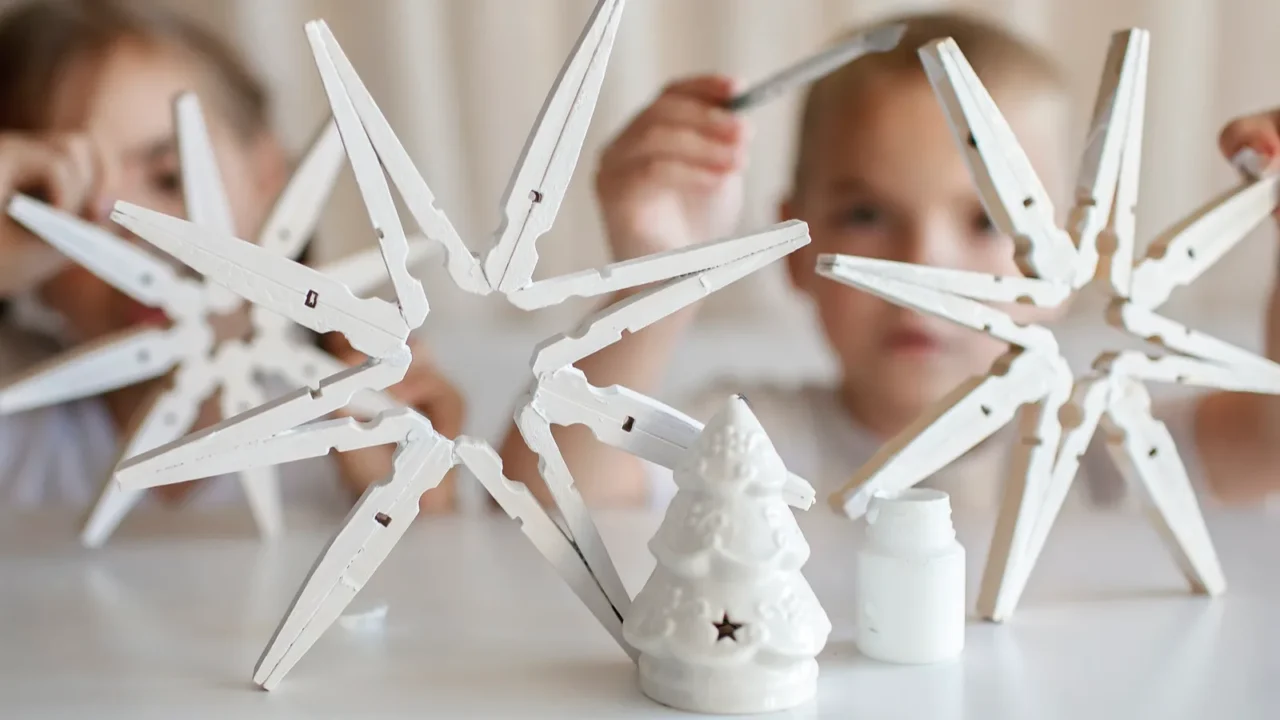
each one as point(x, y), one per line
point(995, 53)
point(41, 39)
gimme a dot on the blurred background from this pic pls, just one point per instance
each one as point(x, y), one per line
point(462, 80)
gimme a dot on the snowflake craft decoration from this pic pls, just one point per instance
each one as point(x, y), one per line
point(291, 427)
point(188, 344)
point(1064, 412)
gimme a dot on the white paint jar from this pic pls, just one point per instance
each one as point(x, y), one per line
point(911, 580)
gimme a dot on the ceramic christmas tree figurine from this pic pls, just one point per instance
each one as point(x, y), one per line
point(727, 623)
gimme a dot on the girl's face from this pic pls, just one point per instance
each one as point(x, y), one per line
point(123, 105)
point(890, 183)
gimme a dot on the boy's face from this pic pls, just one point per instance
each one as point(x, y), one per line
point(124, 106)
point(886, 180)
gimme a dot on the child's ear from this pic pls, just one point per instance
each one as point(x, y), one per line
point(800, 262)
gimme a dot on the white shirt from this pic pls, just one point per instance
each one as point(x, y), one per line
point(62, 455)
point(819, 441)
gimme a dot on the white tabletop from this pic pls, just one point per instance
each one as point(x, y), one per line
point(169, 619)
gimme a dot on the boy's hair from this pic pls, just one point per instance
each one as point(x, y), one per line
point(40, 39)
point(995, 53)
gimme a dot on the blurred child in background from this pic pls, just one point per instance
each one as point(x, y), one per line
point(878, 174)
point(86, 119)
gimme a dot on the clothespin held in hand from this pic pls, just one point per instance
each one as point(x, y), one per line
point(816, 67)
point(1250, 163)
point(1253, 165)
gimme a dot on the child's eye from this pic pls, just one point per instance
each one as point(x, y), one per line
point(169, 182)
point(861, 216)
point(982, 223)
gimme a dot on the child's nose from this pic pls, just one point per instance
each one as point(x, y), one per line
point(929, 243)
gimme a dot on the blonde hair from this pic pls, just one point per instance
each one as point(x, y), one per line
point(996, 54)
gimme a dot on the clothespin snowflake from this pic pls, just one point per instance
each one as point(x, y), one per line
point(188, 345)
point(1064, 412)
point(284, 429)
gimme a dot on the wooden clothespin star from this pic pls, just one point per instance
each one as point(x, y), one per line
point(187, 347)
point(1061, 413)
point(291, 427)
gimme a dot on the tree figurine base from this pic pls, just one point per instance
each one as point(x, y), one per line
point(732, 689)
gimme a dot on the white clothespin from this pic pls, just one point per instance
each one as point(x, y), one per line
point(292, 428)
point(1034, 373)
point(817, 66)
point(187, 346)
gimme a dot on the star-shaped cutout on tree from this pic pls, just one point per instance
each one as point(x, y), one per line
point(187, 343)
point(1063, 412)
point(726, 629)
point(290, 428)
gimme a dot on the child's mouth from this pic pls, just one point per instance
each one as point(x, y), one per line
point(913, 341)
point(139, 314)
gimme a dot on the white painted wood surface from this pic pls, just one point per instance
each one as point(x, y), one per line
point(164, 624)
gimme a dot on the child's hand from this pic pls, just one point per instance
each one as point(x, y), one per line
point(425, 389)
point(64, 171)
point(673, 177)
point(1259, 133)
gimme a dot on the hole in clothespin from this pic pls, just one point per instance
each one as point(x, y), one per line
point(1191, 253)
point(146, 279)
point(1028, 202)
point(535, 196)
point(986, 410)
point(1153, 452)
point(312, 298)
point(383, 519)
point(973, 141)
point(379, 233)
point(629, 423)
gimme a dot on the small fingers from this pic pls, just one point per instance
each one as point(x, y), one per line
point(716, 89)
point(687, 106)
point(1257, 133)
point(30, 167)
point(440, 499)
point(62, 170)
point(709, 119)
point(447, 411)
point(675, 173)
point(680, 143)
point(85, 164)
point(427, 390)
